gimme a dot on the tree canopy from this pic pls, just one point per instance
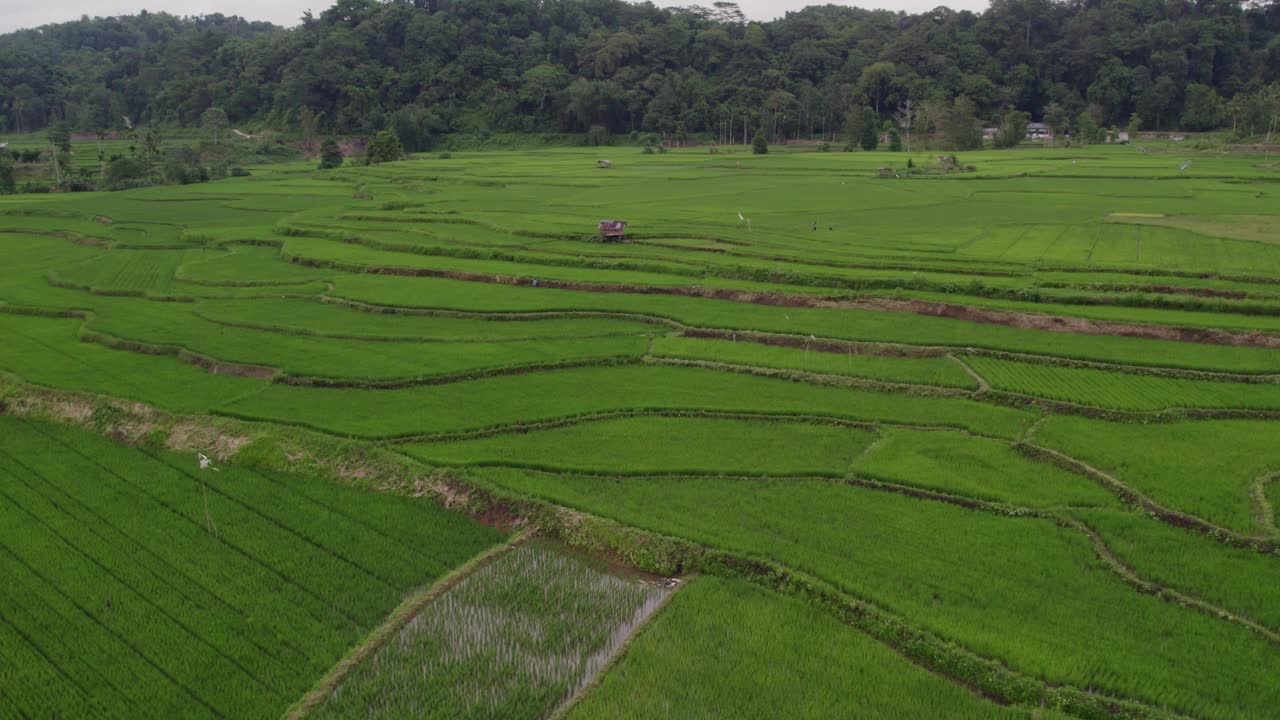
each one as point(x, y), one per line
point(427, 66)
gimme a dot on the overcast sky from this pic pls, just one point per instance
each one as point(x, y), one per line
point(32, 13)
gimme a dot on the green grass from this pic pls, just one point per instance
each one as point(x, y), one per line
point(512, 640)
point(1203, 467)
point(725, 648)
point(139, 587)
point(644, 445)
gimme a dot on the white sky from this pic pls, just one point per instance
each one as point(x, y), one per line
point(15, 14)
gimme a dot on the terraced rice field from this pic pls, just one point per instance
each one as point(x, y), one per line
point(988, 445)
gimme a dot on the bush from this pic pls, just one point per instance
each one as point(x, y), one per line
point(824, 147)
point(182, 166)
point(125, 172)
point(7, 185)
point(237, 171)
point(445, 155)
point(385, 147)
point(648, 150)
point(759, 145)
point(330, 154)
point(1013, 129)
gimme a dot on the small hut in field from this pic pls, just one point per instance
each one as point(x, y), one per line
point(613, 231)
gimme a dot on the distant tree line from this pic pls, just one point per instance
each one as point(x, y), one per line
point(425, 67)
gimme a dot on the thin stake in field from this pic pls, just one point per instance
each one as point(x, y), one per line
point(207, 464)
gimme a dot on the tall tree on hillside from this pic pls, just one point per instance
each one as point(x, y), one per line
point(1204, 109)
point(1013, 129)
point(1058, 120)
point(214, 121)
point(877, 80)
point(59, 150)
point(854, 128)
point(962, 129)
point(905, 115)
point(870, 130)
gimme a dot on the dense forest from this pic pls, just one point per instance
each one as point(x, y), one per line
point(423, 67)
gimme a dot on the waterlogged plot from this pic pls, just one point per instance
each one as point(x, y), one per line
point(513, 640)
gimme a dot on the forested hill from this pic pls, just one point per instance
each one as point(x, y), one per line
point(425, 66)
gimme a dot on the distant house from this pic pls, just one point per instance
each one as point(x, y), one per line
point(990, 133)
point(4, 146)
point(604, 163)
point(1038, 131)
point(615, 230)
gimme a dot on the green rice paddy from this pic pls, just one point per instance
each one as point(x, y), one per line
point(1024, 420)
